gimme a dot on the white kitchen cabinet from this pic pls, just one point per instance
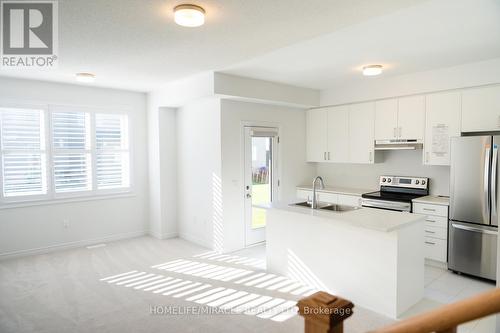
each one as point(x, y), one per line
point(411, 117)
point(386, 119)
point(317, 135)
point(338, 134)
point(481, 109)
point(331, 197)
point(362, 133)
point(349, 200)
point(435, 230)
point(442, 122)
point(401, 118)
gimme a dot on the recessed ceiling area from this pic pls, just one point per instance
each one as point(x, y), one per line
point(135, 44)
point(434, 34)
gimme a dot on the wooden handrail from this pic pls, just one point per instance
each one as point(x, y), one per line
point(446, 318)
point(325, 313)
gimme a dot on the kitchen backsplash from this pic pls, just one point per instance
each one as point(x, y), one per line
point(398, 163)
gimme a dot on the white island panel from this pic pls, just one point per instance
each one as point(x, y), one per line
point(373, 258)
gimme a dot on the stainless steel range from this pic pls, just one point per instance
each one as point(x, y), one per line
point(396, 193)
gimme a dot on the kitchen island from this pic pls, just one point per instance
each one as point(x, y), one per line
point(375, 258)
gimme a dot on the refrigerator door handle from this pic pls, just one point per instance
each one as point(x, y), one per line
point(486, 206)
point(466, 228)
point(493, 193)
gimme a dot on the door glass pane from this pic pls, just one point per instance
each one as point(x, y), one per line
point(261, 178)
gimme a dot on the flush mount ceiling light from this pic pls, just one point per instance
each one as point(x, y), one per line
point(372, 70)
point(85, 77)
point(189, 15)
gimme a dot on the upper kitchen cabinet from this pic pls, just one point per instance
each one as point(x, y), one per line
point(400, 119)
point(481, 109)
point(411, 117)
point(338, 134)
point(328, 134)
point(317, 135)
point(386, 119)
point(442, 121)
point(361, 133)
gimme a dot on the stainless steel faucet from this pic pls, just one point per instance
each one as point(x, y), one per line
point(314, 204)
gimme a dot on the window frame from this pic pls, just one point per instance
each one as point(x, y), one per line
point(51, 196)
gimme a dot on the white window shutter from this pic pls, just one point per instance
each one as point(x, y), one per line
point(112, 159)
point(71, 151)
point(22, 152)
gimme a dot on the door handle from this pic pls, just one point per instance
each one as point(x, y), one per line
point(493, 191)
point(466, 228)
point(430, 243)
point(486, 206)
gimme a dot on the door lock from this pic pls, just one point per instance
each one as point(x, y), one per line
point(248, 195)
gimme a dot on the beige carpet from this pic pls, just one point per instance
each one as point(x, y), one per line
point(148, 285)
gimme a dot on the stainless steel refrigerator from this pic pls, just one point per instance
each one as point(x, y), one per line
point(472, 229)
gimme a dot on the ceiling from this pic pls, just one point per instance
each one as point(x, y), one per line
point(433, 34)
point(134, 44)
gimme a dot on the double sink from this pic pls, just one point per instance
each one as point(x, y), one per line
point(325, 206)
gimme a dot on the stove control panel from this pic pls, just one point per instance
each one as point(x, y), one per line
point(408, 182)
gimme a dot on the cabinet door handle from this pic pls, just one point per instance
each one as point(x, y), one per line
point(328, 155)
point(430, 232)
point(431, 243)
point(324, 155)
point(433, 221)
point(429, 209)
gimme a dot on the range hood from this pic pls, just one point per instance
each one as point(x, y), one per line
point(406, 144)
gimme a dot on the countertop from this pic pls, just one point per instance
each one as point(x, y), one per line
point(433, 200)
point(338, 190)
point(375, 219)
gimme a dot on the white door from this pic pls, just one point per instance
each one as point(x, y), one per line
point(361, 133)
point(316, 135)
point(442, 122)
point(481, 109)
point(411, 117)
point(261, 180)
point(386, 119)
point(338, 134)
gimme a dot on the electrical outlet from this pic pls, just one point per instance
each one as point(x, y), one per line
point(65, 223)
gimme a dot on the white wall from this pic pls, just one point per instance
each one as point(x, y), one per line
point(199, 197)
point(293, 168)
point(28, 229)
point(370, 88)
point(227, 85)
point(161, 130)
point(398, 163)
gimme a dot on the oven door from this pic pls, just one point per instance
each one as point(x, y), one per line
point(386, 204)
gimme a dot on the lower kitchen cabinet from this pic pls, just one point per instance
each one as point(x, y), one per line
point(331, 197)
point(435, 230)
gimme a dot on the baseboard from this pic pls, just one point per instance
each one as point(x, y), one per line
point(437, 264)
point(195, 240)
point(167, 235)
point(72, 245)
